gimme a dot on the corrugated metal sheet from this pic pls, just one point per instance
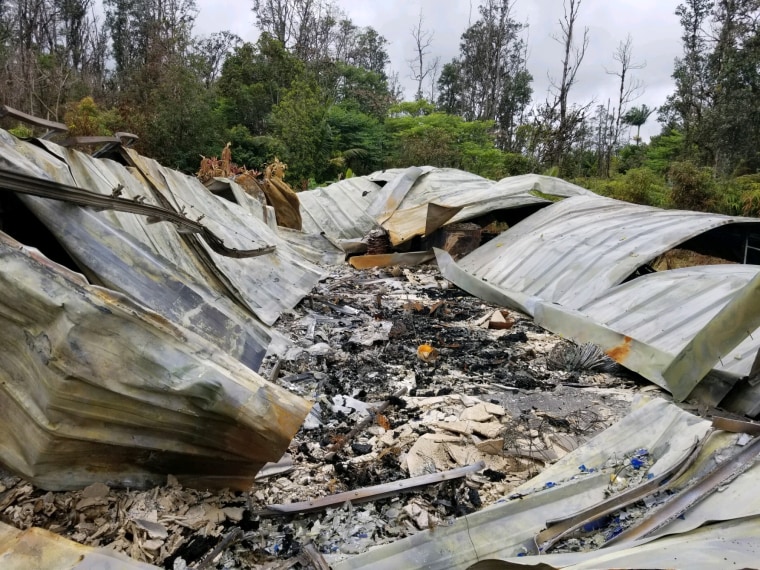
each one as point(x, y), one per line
point(230, 190)
point(727, 544)
point(472, 195)
point(121, 395)
point(116, 251)
point(387, 199)
point(339, 210)
point(314, 247)
point(352, 208)
point(573, 251)
point(267, 285)
point(662, 312)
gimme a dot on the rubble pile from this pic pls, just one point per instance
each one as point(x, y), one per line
point(489, 394)
point(161, 337)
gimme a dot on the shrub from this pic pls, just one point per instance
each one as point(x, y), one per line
point(693, 187)
point(85, 118)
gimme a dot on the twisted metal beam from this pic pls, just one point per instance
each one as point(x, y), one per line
point(40, 187)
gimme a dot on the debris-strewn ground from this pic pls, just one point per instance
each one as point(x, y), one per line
point(478, 385)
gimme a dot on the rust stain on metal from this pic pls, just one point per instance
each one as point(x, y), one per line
point(620, 353)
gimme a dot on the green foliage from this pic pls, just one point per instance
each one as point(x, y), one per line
point(487, 162)
point(664, 149)
point(632, 156)
point(357, 141)
point(638, 185)
point(636, 117)
point(21, 131)
point(179, 121)
point(253, 80)
point(693, 187)
point(85, 118)
point(739, 196)
point(516, 164)
point(363, 89)
point(300, 122)
point(253, 152)
point(420, 135)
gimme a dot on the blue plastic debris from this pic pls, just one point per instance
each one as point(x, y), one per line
point(550, 484)
point(597, 524)
point(636, 463)
point(650, 475)
point(614, 532)
point(583, 469)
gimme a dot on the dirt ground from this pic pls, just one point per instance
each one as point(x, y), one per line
point(462, 382)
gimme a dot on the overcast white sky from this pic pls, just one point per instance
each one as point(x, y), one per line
point(652, 24)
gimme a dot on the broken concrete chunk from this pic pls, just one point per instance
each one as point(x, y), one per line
point(489, 430)
point(154, 529)
point(491, 446)
point(501, 320)
point(478, 413)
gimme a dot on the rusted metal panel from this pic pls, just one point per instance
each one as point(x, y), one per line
point(120, 394)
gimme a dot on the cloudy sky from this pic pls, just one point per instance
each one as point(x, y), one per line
point(651, 23)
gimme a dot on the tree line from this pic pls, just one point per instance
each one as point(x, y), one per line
point(317, 91)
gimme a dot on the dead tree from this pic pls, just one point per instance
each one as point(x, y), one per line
point(420, 68)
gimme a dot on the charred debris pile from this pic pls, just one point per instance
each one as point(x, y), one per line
point(434, 362)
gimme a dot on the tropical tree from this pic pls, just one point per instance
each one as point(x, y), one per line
point(489, 81)
point(636, 117)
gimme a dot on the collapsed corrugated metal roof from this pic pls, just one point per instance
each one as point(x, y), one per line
point(564, 266)
point(647, 323)
point(266, 286)
point(468, 196)
point(658, 452)
point(147, 261)
point(416, 201)
point(121, 394)
point(573, 251)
